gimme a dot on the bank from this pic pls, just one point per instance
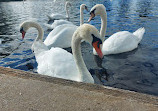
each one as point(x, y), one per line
point(25, 91)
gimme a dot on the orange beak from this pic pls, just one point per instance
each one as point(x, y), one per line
point(98, 49)
point(92, 16)
point(23, 34)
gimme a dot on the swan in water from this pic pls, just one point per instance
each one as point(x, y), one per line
point(61, 36)
point(61, 21)
point(57, 23)
point(57, 62)
point(119, 42)
point(60, 16)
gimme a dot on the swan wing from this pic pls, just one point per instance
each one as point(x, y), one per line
point(60, 36)
point(60, 22)
point(59, 63)
point(120, 42)
point(56, 16)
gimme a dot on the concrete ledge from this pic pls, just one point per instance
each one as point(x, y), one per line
point(25, 91)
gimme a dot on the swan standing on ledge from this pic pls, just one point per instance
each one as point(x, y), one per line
point(57, 62)
point(119, 42)
point(61, 16)
point(61, 36)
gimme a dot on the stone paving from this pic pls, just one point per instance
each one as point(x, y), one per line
point(25, 91)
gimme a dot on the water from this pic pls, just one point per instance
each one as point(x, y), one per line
point(136, 70)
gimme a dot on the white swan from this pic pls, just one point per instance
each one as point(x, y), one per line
point(57, 62)
point(61, 21)
point(119, 42)
point(61, 36)
point(57, 23)
point(60, 16)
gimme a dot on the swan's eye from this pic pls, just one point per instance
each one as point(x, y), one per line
point(23, 32)
point(99, 42)
point(33, 51)
point(86, 8)
point(96, 40)
point(96, 44)
point(21, 29)
point(92, 12)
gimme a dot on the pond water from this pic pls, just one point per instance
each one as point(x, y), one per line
point(136, 70)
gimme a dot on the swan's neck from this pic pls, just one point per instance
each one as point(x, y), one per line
point(67, 12)
point(76, 49)
point(38, 46)
point(39, 29)
point(81, 16)
point(103, 25)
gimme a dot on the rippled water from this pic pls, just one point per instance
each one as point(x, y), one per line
point(136, 70)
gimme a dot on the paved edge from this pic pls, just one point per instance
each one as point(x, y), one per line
point(126, 94)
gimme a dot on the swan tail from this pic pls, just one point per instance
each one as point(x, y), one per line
point(49, 17)
point(48, 26)
point(139, 33)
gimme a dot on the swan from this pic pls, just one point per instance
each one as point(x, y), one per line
point(61, 21)
point(57, 62)
point(61, 36)
point(119, 42)
point(57, 23)
point(60, 16)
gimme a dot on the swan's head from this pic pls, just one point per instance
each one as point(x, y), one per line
point(67, 4)
point(91, 35)
point(98, 9)
point(83, 7)
point(23, 28)
point(26, 25)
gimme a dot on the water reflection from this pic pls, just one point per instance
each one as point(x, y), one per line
point(102, 73)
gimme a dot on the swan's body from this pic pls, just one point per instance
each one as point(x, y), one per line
point(62, 22)
point(60, 16)
point(57, 23)
point(57, 62)
point(119, 42)
point(61, 36)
